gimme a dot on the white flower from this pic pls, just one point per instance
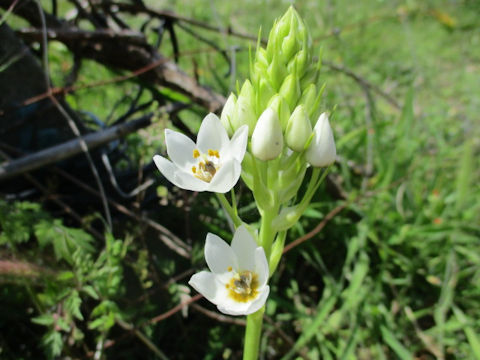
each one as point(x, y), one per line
point(212, 164)
point(322, 150)
point(237, 283)
point(298, 130)
point(267, 138)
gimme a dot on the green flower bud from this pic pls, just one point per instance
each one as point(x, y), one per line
point(290, 44)
point(244, 109)
point(261, 56)
point(259, 67)
point(298, 130)
point(309, 95)
point(290, 90)
point(227, 113)
point(280, 29)
point(277, 71)
point(267, 138)
point(299, 63)
point(322, 150)
point(309, 77)
point(280, 106)
point(265, 93)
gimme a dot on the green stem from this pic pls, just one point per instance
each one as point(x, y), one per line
point(234, 202)
point(253, 333)
point(229, 209)
point(267, 233)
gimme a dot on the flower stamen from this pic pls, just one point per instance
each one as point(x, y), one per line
point(207, 166)
point(243, 286)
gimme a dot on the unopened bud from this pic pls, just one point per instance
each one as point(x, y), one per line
point(245, 108)
point(267, 138)
point(277, 71)
point(290, 90)
point(309, 77)
point(322, 150)
point(298, 130)
point(299, 63)
point(227, 113)
point(265, 93)
point(309, 96)
point(280, 106)
point(290, 44)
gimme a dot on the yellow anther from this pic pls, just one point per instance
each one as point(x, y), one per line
point(213, 153)
point(196, 153)
point(194, 169)
point(229, 268)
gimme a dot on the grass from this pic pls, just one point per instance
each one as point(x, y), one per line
point(396, 275)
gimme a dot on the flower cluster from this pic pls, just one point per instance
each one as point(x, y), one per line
point(281, 103)
point(269, 134)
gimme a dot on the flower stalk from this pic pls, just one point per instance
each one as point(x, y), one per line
point(253, 332)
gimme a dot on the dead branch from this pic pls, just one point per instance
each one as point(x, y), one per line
point(131, 53)
point(73, 147)
point(169, 239)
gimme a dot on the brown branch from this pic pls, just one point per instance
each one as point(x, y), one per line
point(170, 15)
point(23, 269)
point(219, 317)
point(175, 309)
point(166, 236)
point(127, 55)
point(317, 229)
point(362, 82)
point(68, 35)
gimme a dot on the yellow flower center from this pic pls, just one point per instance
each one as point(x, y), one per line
point(207, 165)
point(243, 286)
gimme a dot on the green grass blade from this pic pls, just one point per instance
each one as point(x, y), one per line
point(399, 350)
point(311, 330)
point(469, 332)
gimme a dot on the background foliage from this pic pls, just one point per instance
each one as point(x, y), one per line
point(394, 272)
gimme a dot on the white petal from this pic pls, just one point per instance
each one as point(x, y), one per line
point(231, 307)
point(177, 176)
point(256, 304)
point(261, 266)
point(226, 178)
point(238, 143)
point(180, 149)
point(219, 255)
point(212, 134)
point(206, 284)
point(244, 247)
point(267, 137)
point(322, 150)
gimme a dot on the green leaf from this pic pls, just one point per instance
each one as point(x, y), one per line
point(65, 241)
point(399, 350)
point(53, 343)
point(44, 319)
point(89, 290)
point(73, 303)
